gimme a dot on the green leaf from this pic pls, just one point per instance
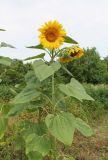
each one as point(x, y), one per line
point(3, 125)
point(43, 71)
point(18, 142)
point(17, 109)
point(31, 127)
point(68, 158)
point(3, 44)
point(39, 46)
point(37, 143)
point(30, 78)
point(83, 127)
point(70, 40)
point(5, 61)
point(62, 126)
point(75, 89)
point(36, 57)
point(2, 30)
point(60, 100)
point(34, 156)
point(55, 66)
point(26, 95)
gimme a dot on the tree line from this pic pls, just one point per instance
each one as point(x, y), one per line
point(88, 69)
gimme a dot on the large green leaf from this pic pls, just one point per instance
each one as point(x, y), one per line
point(5, 61)
point(26, 95)
point(83, 127)
point(60, 100)
point(3, 44)
point(3, 125)
point(61, 126)
point(36, 57)
point(18, 109)
point(55, 66)
point(70, 40)
point(31, 127)
point(37, 143)
point(39, 46)
point(43, 71)
point(30, 78)
point(34, 156)
point(75, 89)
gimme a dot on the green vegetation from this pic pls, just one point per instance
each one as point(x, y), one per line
point(94, 113)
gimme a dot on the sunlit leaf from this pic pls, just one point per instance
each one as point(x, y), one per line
point(75, 89)
point(30, 77)
point(37, 143)
point(36, 57)
point(26, 95)
point(39, 46)
point(70, 40)
point(3, 44)
point(43, 71)
point(83, 127)
point(61, 126)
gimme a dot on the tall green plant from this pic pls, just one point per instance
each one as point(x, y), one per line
point(5, 60)
point(3, 118)
point(53, 126)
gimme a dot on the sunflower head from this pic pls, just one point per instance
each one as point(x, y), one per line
point(70, 53)
point(65, 59)
point(52, 35)
point(76, 52)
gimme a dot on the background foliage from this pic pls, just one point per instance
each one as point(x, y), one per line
point(88, 69)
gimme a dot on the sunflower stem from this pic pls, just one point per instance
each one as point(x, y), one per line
point(53, 101)
point(53, 89)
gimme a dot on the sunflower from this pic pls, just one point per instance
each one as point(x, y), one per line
point(65, 59)
point(52, 35)
point(70, 53)
point(76, 52)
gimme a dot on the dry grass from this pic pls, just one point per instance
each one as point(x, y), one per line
point(93, 148)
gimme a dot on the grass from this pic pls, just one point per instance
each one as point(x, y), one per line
point(95, 147)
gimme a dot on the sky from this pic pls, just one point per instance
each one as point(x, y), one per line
point(86, 21)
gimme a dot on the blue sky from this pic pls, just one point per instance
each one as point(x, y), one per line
point(84, 20)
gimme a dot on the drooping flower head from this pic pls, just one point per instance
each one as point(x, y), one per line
point(76, 52)
point(70, 53)
point(52, 35)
